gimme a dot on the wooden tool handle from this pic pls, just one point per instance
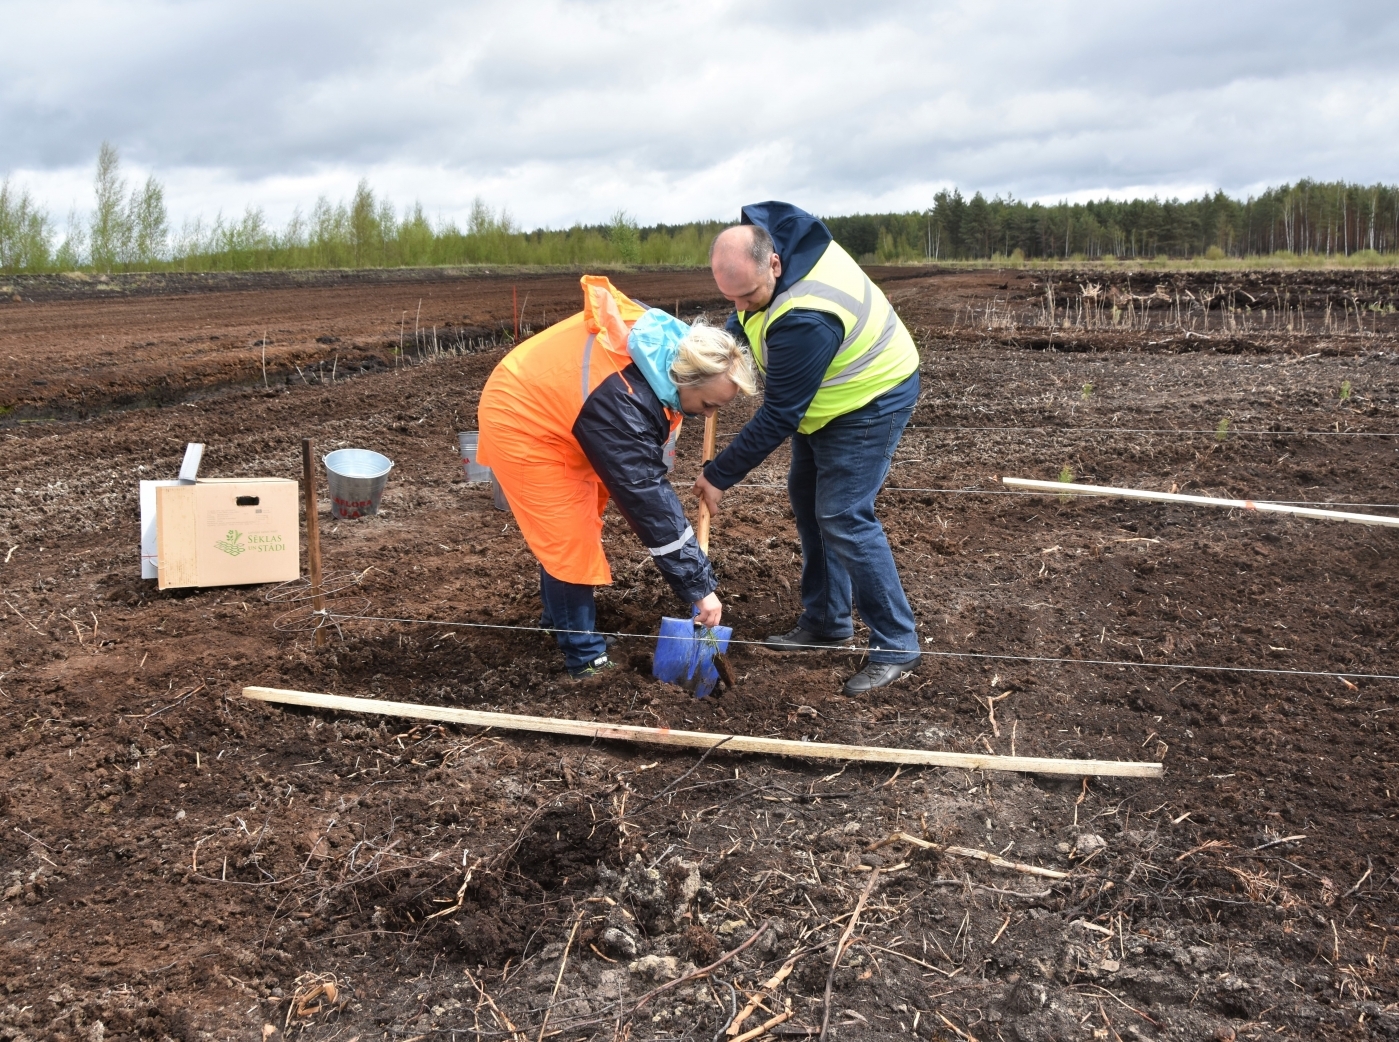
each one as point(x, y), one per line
point(702, 533)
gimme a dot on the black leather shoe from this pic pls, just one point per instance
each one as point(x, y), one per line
point(803, 640)
point(878, 674)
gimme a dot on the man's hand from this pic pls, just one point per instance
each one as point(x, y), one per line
point(709, 610)
point(708, 494)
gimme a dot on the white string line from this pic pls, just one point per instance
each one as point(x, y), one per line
point(1166, 430)
point(997, 657)
point(1009, 492)
point(1144, 430)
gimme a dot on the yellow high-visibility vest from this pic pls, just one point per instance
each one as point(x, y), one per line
point(876, 353)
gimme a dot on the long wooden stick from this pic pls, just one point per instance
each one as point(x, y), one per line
point(704, 740)
point(313, 537)
point(702, 533)
point(1204, 501)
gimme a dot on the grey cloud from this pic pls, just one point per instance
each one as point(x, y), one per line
point(572, 109)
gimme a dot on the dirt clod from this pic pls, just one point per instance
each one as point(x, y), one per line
point(726, 671)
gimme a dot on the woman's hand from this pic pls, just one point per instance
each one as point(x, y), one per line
point(709, 610)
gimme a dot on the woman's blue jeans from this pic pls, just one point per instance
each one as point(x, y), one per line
point(571, 612)
point(835, 474)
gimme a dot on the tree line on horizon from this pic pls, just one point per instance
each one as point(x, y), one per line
point(1306, 219)
point(128, 229)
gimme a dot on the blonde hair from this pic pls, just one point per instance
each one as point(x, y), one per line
point(708, 352)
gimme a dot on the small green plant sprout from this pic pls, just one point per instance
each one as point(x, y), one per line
point(1221, 432)
point(1345, 390)
point(1066, 476)
point(1087, 392)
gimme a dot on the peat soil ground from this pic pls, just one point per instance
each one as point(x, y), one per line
point(79, 346)
point(178, 862)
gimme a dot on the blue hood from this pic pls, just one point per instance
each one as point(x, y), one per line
point(653, 345)
point(798, 237)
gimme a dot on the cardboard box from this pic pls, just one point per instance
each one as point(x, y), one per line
point(150, 558)
point(228, 532)
point(189, 472)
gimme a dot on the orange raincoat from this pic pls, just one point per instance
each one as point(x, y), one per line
point(526, 416)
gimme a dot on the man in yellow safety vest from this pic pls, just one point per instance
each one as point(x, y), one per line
point(840, 376)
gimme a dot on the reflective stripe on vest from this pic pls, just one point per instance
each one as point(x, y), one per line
point(876, 353)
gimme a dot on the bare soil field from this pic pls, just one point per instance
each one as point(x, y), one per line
point(177, 862)
point(80, 346)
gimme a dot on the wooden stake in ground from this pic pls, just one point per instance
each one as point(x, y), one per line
point(313, 538)
point(702, 532)
point(706, 740)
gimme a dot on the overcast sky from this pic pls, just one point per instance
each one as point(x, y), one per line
point(567, 112)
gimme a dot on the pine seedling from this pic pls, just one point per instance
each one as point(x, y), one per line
point(1221, 432)
point(1066, 476)
point(1345, 390)
point(1087, 392)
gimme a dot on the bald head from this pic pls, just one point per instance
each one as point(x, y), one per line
point(745, 266)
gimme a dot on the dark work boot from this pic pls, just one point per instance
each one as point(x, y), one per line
point(804, 640)
point(878, 674)
point(601, 664)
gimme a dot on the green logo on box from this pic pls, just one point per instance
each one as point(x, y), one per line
point(229, 544)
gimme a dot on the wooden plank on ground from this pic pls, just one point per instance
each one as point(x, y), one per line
point(706, 740)
point(1070, 488)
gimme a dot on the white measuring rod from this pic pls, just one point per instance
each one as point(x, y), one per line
point(1204, 501)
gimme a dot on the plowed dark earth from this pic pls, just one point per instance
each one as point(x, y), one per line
point(179, 862)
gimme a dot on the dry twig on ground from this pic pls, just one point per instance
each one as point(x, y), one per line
point(840, 950)
point(971, 852)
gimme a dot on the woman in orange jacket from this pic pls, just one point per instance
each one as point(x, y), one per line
point(584, 411)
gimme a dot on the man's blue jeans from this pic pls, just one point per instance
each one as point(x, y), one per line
point(835, 475)
point(571, 612)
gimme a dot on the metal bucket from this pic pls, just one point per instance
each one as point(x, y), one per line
point(356, 478)
point(669, 452)
point(470, 441)
point(498, 499)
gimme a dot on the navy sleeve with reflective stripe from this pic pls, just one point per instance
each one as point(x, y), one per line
point(800, 347)
point(623, 433)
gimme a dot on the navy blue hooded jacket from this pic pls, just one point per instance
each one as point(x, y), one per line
point(623, 429)
point(800, 347)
